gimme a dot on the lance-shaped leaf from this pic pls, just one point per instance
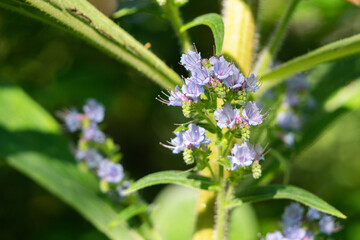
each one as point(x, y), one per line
point(262, 193)
point(31, 143)
point(214, 22)
point(336, 50)
point(85, 21)
point(171, 177)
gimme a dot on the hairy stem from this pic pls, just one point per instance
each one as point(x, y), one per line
point(220, 207)
point(268, 54)
point(173, 14)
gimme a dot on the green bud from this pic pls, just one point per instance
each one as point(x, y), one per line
point(220, 90)
point(245, 132)
point(104, 186)
point(188, 156)
point(186, 108)
point(256, 170)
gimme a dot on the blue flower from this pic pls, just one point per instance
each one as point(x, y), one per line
point(277, 235)
point(293, 215)
point(93, 133)
point(177, 143)
point(94, 110)
point(122, 188)
point(313, 214)
point(72, 120)
point(288, 138)
point(288, 120)
point(176, 98)
point(298, 83)
point(242, 155)
point(252, 114)
point(195, 136)
point(192, 90)
point(291, 99)
point(220, 68)
point(91, 157)
point(295, 233)
point(226, 117)
point(251, 84)
point(327, 225)
point(110, 171)
point(191, 61)
point(200, 76)
point(235, 80)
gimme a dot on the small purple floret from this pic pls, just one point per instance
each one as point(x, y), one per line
point(177, 143)
point(195, 136)
point(294, 233)
point(220, 68)
point(200, 76)
point(251, 114)
point(91, 157)
point(327, 225)
point(226, 117)
point(72, 121)
point(277, 235)
point(242, 155)
point(252, 84)
point(313, 214)
point(93, 133)
point(94, 110)
point(192, 90)
point(110, 171)
point(175, 98)
point(122, 188)
point(191, 61)
point(288, 120)
point(293, 215)
point(235, 80)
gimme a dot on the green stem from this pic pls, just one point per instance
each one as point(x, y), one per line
point(268, 54)
point(221, 210)
point(229, 193)
point(211, 171)
point(173, 14)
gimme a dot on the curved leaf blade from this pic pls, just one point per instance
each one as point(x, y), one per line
point(214, 22)
point(171, 177)
point(262, 193)
point(336, 50)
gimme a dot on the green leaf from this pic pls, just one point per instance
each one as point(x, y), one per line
point(171, 177)
point(214, 22)
point(83, 20)
point(262, 193)
point(336, 50)
point(25, 131)
point(128, 213)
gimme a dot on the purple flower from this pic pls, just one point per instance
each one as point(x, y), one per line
point(235, 80)
point(291, 99)
point(177, 143)
point(220, 67)
point(72, 120)
point(294, 233)
point(277, 235)
point(313, 214)
point(242, 155)
point(293, 215)
point(288, 120)
point(195, 136)
point(200, 76)
point(110, 171)
point(192, 90)
point(176, 98)
point(91, 157)
point(297, 83)
point(252, 114)
point(191, 61)
point(226, 117)
point(94, 110)
point(251, 84)
point(288, 138)
point(327, 225)
point(93, 133)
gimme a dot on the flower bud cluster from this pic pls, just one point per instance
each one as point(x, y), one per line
point(289, 118)
point(95, 151)
point(215, 97)
point(300, 226)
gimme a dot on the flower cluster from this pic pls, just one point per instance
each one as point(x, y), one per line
point(94, 150)
point(288, 118)
point(215, 97)
point(300, 226)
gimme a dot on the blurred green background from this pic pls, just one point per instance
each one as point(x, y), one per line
point(59, 71)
